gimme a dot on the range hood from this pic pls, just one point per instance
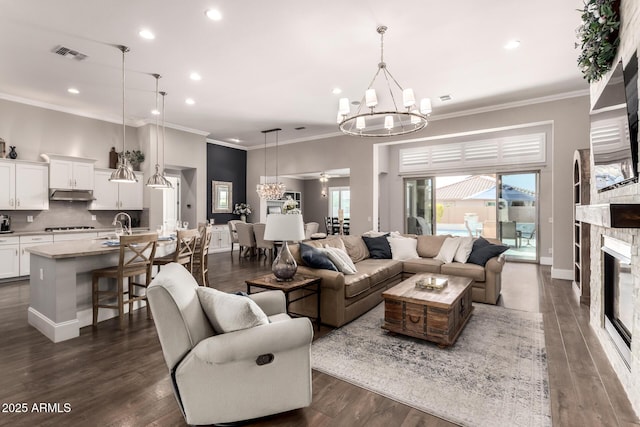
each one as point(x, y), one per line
point(71, 195)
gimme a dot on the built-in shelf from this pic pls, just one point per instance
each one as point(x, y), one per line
point(581, 230)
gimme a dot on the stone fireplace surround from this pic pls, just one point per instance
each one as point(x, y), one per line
point(603, 221)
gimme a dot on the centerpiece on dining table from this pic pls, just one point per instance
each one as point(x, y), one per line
point(242, 209)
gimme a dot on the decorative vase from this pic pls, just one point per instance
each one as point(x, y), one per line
point(243, 218)
point(113, 158)
point(284, 267)
point(12, 152)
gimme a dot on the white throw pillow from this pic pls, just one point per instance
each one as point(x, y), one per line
point(403, 248)
point(464, 249)
point(340, 259)
point(448, 249)
point(228, 312)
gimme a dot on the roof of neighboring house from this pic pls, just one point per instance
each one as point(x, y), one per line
point(467, 188)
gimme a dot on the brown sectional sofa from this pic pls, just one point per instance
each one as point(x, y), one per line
point(346, 297)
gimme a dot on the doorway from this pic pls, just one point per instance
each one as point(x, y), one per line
point(171, 203)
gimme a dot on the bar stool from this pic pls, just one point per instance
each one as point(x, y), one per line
point(201, 256)
point(186, 241)
point(136, 258)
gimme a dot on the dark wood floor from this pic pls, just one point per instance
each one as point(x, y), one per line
point(117, 378)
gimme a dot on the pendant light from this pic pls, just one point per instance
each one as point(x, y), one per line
point(164, 137)
point(157, 180)
point(274, 190)
point(124, 172)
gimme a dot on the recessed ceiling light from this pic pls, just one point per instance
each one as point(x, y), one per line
point(336, 91)
point(236, 140)
point(213, 14)
point(73, 90)
point(155, 112)
point(512, 44)
point(190, 101)
point(147, 34)
point(445, 98)
point(195, 76)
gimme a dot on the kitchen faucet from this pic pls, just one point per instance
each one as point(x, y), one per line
point(127, 229)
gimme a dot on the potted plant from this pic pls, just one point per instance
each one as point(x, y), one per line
point(135, 157)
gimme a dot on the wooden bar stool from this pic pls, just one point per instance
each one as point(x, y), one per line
point(186, 241)
point(136, 258)
point(201, 257)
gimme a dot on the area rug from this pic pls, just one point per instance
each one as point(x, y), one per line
point(495, 374)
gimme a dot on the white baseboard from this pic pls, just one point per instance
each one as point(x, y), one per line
point(56, 332)
point(558, 273)
point(546, 260)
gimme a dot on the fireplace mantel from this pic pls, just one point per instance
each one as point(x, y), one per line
point(610, 215)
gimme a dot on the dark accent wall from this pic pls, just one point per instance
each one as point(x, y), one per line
point(226, 164)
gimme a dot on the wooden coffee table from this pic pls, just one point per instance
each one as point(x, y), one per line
point(310, 284)
point(433, 315)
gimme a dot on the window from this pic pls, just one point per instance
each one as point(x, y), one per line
point(339, 198)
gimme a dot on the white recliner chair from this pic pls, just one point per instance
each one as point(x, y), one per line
point(235, 376)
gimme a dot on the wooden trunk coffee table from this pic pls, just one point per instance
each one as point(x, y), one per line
point(432, 315)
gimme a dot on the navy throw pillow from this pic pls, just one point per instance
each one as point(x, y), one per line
point(315, 258)
point(379, 247)
point(483, 251)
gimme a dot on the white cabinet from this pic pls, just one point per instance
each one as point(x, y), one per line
point(8, 190)
point(220, 239)
point(113, 196)
point(27, 185)
point(32, 186)
point(28, 242)
point(70, 173)
point(9, 258)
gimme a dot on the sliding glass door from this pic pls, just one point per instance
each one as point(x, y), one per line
point(502, 206)
point(517, 212)
point(418, 202)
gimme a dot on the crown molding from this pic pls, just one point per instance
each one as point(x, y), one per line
point(133, 123)
point(514, 104)
point(226, 144)
point(176, 127)
point(72, 111)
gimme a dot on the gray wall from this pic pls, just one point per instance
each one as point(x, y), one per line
point(322, 154)
point(570, 131)
point(316, 207)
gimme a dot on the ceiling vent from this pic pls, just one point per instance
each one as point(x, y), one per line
point(445, 98)
point(69, 53)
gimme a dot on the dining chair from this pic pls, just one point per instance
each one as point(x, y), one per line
point(201, 255)
point(328, 223)
point(136, 258)
point(186, 241)
point(261, 244)
point(233, 232)
point(310, 228)
point(246, 239)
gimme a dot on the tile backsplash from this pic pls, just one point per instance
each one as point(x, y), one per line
point(64, 214)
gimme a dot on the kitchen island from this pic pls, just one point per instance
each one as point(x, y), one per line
point(60, 284)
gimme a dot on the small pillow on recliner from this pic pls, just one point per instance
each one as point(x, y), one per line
point(316, 258)
point(228, 312)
